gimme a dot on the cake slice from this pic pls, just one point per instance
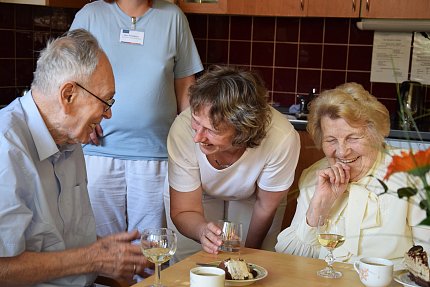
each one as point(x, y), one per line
point(416, 261)
point(236, 269)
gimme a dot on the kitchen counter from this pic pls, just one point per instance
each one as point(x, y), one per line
point(300, 125)
point(409, 135)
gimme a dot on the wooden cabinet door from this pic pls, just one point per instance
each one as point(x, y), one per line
point(219, 7)
point(267, 7)
point(246, 7)
point(309, 154)
point(401, 9)
point(334, 8)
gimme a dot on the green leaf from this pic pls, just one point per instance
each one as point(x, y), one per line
point(424, 204)
point(406, 192)
point(382, 183)
point(425, 221)
point(420, 171)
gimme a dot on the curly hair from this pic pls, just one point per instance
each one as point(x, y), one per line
point(236, 98)
point(356, 106)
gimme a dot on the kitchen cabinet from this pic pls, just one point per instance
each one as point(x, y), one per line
point(333, 8)
point(399, 9)
point(215, 7)
point(267, 7)
point(309, 154)
point(52, 3)
point(295, 8)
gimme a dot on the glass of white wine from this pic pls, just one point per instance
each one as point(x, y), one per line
point(331, 235)
point(158, 246)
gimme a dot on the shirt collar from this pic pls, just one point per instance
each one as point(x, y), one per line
point(63, 153)
point(45, 144)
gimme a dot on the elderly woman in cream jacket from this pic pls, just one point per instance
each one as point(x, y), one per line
point(349, 125)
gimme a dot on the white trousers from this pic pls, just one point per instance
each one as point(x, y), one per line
point(238, 211)
point(126, 194)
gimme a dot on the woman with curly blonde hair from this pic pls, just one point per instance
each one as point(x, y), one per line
point(350, 125)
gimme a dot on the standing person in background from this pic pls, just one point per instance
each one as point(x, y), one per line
point(47, 227)
point(154, 60)
point(231, 157)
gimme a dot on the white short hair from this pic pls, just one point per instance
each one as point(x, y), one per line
point(71, 57)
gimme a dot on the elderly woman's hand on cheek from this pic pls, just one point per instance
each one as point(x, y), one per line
point(209, 235)
point(332, 183)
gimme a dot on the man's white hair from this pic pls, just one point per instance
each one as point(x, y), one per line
point(71, 57)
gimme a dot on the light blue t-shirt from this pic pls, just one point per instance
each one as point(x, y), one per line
point(44, 202)
point(145, 101)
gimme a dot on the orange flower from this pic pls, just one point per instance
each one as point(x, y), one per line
point(416, 164)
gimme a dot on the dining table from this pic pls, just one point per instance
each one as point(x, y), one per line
point(283, 270)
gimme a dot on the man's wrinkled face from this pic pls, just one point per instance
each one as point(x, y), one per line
point(91, 110)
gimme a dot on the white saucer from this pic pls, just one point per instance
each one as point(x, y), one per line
point(402, 277)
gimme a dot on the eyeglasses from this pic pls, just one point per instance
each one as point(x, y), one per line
point(108, 103)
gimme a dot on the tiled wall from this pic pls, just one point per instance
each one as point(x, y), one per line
point(24, 30)
point(293, 55)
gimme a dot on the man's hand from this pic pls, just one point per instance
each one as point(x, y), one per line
point(118, 256)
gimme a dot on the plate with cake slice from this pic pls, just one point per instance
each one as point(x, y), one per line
point(238, 272)
point(402, 277)
point(417, 271)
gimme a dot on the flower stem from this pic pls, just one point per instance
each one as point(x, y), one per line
point(427, 193)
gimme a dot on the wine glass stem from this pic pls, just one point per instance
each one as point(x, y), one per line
point(157, 275)
point(329, 259)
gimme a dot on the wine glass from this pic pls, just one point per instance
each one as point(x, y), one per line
point(158, 245)
point(331, 235)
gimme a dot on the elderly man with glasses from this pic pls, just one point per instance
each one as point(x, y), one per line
point(47, 227)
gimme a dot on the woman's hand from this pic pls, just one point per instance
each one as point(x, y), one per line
point(209, 236)
point(186, 212)
point(332, 183)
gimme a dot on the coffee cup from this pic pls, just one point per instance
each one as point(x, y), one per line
point(374, 272)
point(207, 277)
point(231, 235)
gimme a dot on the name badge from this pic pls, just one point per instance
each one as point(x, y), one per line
point(131, 36)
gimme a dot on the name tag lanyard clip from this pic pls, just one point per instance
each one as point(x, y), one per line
point(133, 23)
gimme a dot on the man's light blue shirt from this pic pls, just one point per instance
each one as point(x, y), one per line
point(44, 202)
